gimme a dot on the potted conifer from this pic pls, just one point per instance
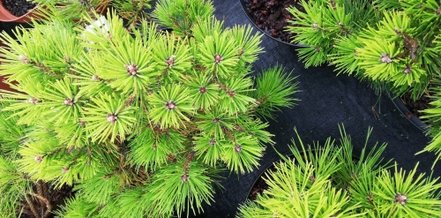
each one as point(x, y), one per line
point(138, 121)
point(132, 12)
point(326, 180)
point(394, 45)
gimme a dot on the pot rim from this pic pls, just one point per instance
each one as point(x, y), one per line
point(415, 120)
point(6, 16)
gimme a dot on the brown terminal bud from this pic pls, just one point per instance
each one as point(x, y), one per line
point(38, 158)
point(401, 199)
point(96, 78)
point(112, 118)
point(132, 69)
point(68, 102)
point(65, 170)
point(33, 100)
point(184, 178)
point(170, 61)
point(23, 59)
point(202, 90)
point(170, 105)
point(385, 59)
point(408, 69)
point(218, 58)
point(212, 142)
point(238, 148)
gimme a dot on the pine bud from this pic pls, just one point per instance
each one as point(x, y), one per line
point(408, 69)
point(23, 59)
point(216, 120)
point(385, 59)
point(112, 118)
point(64, 170)
point(212, 142)
point(68, 102)
point(171, 61)
point(202, 90)
point(33, 101)
point(218, 58)
point(184, 178)
point(96, 78)
point(238, 148)
point(82, 123)
point(38, 158)
point(132, 69)
point(401, 199)
point(231, 93)
point(170, 105)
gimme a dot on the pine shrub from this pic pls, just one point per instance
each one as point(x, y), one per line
point(393, 44)
point(328, 180)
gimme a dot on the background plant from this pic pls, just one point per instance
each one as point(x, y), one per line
point(390, 43)
point(138, 121)
point(132, 11)
point(328, 181)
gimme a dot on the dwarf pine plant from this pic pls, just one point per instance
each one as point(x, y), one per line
point(132, 11)
point(138, 121)
point(388, 42)
point(330, 181)
point(393, 44)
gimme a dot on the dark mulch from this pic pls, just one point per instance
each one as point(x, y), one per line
point(271, 16)
point(415, 107)
point(18, 7)
point(260, 185)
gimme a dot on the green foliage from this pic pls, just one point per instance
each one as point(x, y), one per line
point(397, 50)
point(393, 49)
point(13, 183)
point(132, 11)
point(139, 121)
point(182, 15)
point(329, 181)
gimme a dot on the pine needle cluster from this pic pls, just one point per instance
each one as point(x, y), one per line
point(329, 181)
point(138, 121)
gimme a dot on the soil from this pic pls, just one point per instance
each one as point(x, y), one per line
point(18, 7)
point(271, 16)
point(415, 107)
point(47, 202)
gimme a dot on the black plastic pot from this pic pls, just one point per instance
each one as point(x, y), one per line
point(415, 120)
point(244, 7)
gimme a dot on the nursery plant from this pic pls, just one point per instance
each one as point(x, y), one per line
point(132, 11)
point(138, 121)
point(394, 44)
point(389, 42)
point(329, 180)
